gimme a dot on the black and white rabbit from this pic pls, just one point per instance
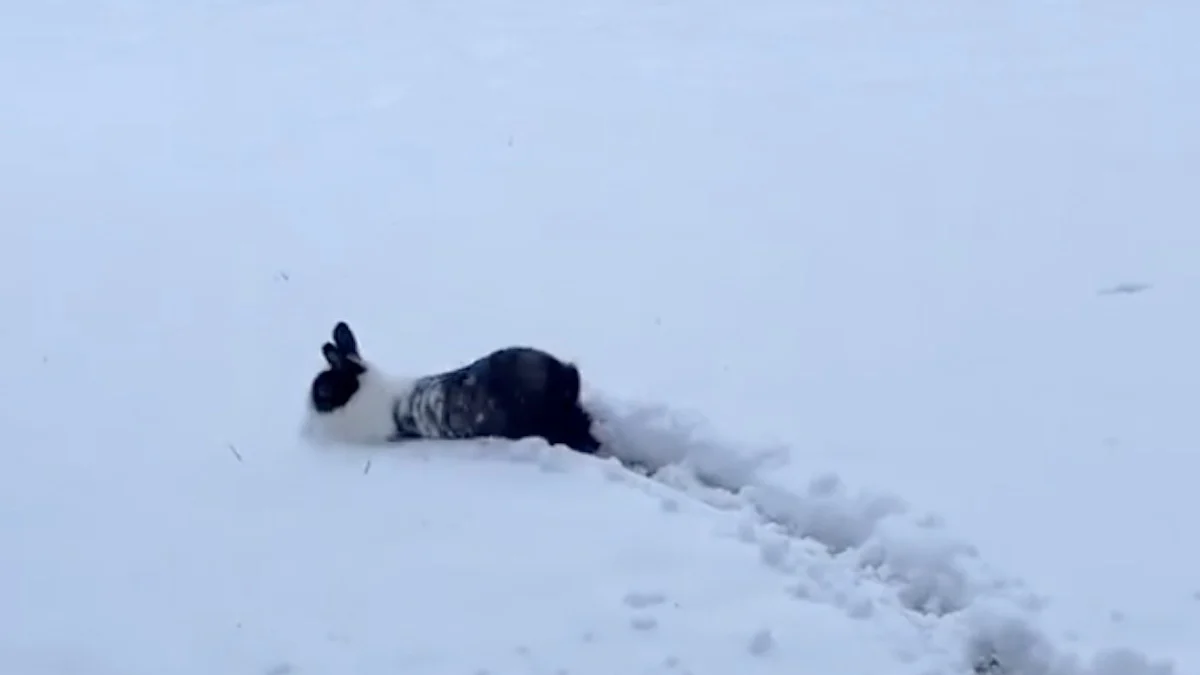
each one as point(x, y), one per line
point(517, 392)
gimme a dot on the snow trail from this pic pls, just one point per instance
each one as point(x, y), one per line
point(869, 556)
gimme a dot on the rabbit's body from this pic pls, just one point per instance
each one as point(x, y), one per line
point(514, 393)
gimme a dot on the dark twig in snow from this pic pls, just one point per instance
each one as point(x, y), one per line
point(1128, 288)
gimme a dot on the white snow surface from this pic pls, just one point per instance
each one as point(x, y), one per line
point(893, 304)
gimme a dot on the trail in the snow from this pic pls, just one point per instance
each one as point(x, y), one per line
point(868, 555)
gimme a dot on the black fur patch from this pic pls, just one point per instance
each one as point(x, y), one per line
point(514, 393)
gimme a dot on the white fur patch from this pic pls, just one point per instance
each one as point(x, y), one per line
point(369, 417)
point(431, 399)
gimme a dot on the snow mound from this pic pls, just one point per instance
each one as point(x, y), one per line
point(454, 558)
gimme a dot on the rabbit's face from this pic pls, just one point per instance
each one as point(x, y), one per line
point(332, 389)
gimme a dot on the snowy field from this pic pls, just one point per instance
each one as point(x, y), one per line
point(898, 299)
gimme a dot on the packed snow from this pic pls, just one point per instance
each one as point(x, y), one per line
point(886, 312)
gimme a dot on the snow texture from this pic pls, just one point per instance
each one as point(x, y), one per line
point(885, 313)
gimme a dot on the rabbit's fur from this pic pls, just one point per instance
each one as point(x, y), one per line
point(516, 392)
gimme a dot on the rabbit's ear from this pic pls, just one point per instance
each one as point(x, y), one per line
point(344, 339)
point(333, 356)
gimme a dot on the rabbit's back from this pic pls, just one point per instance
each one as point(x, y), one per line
point(516, 392)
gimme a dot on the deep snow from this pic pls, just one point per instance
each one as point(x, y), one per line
point(840, 268)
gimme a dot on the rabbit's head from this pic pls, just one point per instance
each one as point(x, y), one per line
point(335, 386)
point(351, 401)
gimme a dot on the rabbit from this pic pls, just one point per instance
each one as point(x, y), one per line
point(514, 393)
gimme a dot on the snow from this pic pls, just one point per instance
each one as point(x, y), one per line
point(893, 302)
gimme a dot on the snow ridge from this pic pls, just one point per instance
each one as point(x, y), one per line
point(868, 555)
